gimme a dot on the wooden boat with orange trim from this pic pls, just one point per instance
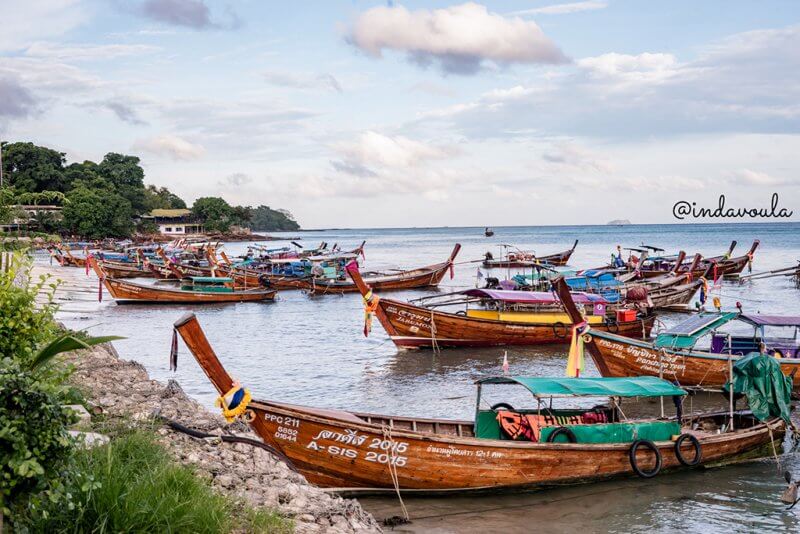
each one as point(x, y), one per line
point(518, 318)
point(428, 276)
point(522, 259)
point(674, 356)
point(362, 452)
point(721, 265)
point(195, 290)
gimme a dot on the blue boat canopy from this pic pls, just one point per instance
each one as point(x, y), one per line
point(640, 386)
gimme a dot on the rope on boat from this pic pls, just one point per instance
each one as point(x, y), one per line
point(774, 450)
point(387, 436)
point(178, 427)
point(434, 343)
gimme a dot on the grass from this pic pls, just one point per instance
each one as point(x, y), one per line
point(133, 485)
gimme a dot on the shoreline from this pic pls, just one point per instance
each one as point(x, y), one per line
point(122, 390)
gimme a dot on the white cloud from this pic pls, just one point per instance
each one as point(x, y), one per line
point(26, 21)
point(373, 148)
point(575, 157)
point(745, 83)
point(86, 51)
point(460, 38)
point(170, 146)
point(300, 80)
point(750, 177)
point(564, 9)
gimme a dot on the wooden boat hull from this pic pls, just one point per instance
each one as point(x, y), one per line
point(123, 270)
point(348, 454)
point(352, 451)
point(675, 296)
point(127, 292)
point(559, 259)
point(617, 355)
point(429, 276)
point(411, 326)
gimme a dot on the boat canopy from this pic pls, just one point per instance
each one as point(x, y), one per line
point(770, 320)
point(532, 297)
point(684, 335)
point(211, 279)
point(640, 386)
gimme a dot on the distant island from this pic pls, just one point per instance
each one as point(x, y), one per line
point(618, 222)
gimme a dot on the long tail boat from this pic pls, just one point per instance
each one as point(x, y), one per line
point(508, 323)
point(558, 259)
point(194, 290)
point(115, 269)
point(674, 356)
point(365, 452)
point(428, 276)
point(522, 259)
point(722, 265)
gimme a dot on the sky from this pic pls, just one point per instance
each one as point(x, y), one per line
point(390, 114)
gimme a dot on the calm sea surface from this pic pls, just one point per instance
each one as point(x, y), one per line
point(312, 351)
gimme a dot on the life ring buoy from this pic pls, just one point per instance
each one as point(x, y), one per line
point(698, 451)
point(562, 430)
point(634, 462)
point(557, 326)
point(502, 406)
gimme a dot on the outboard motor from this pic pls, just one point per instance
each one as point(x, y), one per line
point(492, 283)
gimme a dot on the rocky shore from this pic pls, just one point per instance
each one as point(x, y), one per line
point(122, 390)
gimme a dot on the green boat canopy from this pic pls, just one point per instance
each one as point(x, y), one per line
point(211, 279)
point(640, 386)
point(684, 335)
point(760, 379)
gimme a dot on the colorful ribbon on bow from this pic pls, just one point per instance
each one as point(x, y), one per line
point(370, 307)
point(234, 402)
point(576, 360)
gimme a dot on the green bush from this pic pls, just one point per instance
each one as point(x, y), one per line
point(34, 441)
point(132, 485)
point(24, 326)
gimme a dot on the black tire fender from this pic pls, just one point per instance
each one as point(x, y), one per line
point(562, 430)
point(698, 450)
point(557, 326)
point(502, 405)
point(612, 325)
point(634, 463)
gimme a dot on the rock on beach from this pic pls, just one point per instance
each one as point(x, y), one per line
point(123, 390)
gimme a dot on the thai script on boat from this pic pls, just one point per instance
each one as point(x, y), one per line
point(350, 437)
point(414, 320)
point(452, 451)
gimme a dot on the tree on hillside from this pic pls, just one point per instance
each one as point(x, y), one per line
point(162, 198)
point(125, 174)
point(97, 213)
point(31, 168)
point(266, 219)
point(214, 211)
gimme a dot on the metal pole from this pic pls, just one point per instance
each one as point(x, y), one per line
point(730, 377)
point(1, 165)
point(661, 376)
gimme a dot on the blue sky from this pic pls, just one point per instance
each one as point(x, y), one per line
point(420, 113)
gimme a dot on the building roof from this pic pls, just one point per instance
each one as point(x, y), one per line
point(170, 213)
